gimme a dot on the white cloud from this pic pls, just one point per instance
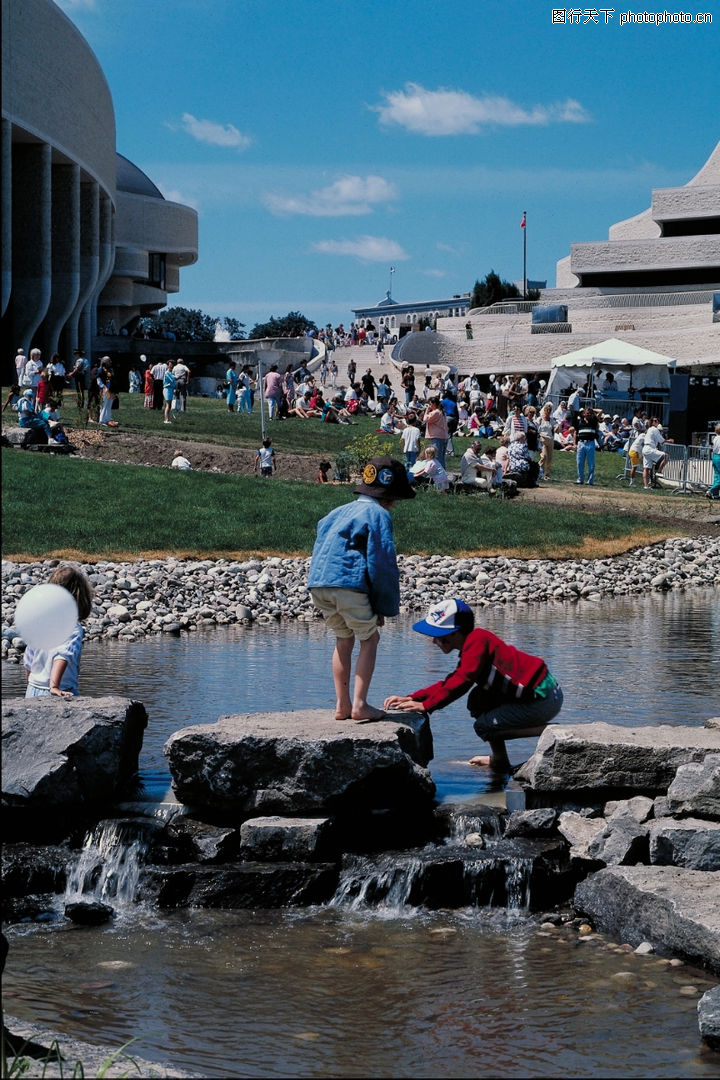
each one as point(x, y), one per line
point(366, 248)
point(348, 196)
point(209, 131)
point(455, 112)
point(434, 273)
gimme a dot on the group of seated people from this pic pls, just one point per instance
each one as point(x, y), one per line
point(43, 419)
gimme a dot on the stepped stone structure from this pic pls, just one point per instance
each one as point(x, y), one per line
point(87, 238)
point(651, 283)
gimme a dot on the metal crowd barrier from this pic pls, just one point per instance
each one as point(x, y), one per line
point(687, 470)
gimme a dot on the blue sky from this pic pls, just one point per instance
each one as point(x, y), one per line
point(323, 143)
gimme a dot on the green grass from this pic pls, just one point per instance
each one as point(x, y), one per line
point(106, 510)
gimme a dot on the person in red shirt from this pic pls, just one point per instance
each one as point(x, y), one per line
point(513, 695)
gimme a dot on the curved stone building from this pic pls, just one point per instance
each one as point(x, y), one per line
point(87, 238)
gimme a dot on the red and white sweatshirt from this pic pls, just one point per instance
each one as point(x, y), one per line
point(503, 672)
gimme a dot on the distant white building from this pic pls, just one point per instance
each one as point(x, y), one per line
point(399, 318)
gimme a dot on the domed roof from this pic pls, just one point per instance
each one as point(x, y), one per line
point(134, 181)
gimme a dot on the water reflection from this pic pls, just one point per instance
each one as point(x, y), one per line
point(646, 660)
point(332, 993)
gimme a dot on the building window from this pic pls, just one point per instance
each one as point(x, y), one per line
point(156, 270)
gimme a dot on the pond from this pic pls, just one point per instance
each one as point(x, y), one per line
point(339, 992)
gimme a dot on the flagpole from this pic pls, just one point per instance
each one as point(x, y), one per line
point(524, 255)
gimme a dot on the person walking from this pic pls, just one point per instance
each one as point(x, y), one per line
point(713, 492)
point(587, 435)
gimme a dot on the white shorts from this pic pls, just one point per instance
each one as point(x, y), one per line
point(651, 457)
point(346, 612)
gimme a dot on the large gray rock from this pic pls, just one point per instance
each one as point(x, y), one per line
point(676, 910)
point(696, 789)
point(689, 842)
point(580, 832)
point(61, 753)
point(301, 763)
point(604, 757)
point(709, 1017)
point(622, 842)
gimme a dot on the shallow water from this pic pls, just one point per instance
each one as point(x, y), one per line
point(339, 992)
point(335, 993)
point(647, 660)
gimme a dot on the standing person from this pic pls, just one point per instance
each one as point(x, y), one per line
point(436, 429)
point(182, 380)
point(351, 371)
point(333, 373)
point(158, 374)
point(56, 374)
point(586, 434)
point(653, 457)
point(54, 672)
point(380, 351)
point(169, 384)
point(231, 379)
point(105, 390)
point(713, 492)
point(368, 384)
point(513, 695)
point(148, 386)
point(546, 431)
point(33, 368)
point(273, 389)
point(265, 461)
point(20, 362)
point(573, 405)
point(134, 381)
point(355, 582)
point(408, 383)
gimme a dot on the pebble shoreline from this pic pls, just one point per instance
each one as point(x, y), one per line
point(174, 596)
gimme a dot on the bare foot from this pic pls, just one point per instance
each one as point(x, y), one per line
point(343, 710)
point(368, 712)
point(481, 760)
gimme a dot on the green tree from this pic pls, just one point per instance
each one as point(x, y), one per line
point(492, 290)
point(234, 327)
point(291, 325)
point(187, 324)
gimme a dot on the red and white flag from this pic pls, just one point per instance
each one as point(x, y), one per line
point(523, 222)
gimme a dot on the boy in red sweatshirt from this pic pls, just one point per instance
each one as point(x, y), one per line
point(513, 694)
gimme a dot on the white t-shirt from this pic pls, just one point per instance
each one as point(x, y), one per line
point(180, 462)
point(410, 437)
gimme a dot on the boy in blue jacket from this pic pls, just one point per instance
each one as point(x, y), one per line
point(354, 579)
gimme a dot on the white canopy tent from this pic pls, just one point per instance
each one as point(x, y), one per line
point(632, 368)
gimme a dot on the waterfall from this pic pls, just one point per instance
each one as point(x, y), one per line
point(108, 867)
point(387, 883)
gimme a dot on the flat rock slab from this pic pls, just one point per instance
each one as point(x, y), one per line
point(60, 753)
point(601, 757)
point(675, 909)
point(302, 762)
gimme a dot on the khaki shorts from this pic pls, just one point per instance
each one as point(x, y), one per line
point(346, 612)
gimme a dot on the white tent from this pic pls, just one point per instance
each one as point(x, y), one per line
point(631, 367)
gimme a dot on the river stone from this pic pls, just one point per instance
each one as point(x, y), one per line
point(622, 841)
point(598, 757)
point(696, 789)
point(272, 839)
point(301, 763)
point(709, 1017)
point(580, 832)
point(689, 842)
point(673, 908)
point(62, 752)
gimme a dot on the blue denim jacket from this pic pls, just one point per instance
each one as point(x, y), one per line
point(355, 550)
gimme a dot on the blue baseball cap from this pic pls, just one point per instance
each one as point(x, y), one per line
point(441, 619)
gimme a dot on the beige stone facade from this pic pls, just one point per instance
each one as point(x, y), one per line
point(651, 283)
point(87, 237)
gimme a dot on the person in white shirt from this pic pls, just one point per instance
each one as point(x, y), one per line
point(410, 438)
point(652, 455)
point(473, 470)
point(713, 492)
point(179, 461)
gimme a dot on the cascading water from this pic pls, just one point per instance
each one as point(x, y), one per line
point(107, 870)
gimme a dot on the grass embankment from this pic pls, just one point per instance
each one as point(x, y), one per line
point(68, 507)
point(65, 507)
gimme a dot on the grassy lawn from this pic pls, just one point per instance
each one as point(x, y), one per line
point(106, 510)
